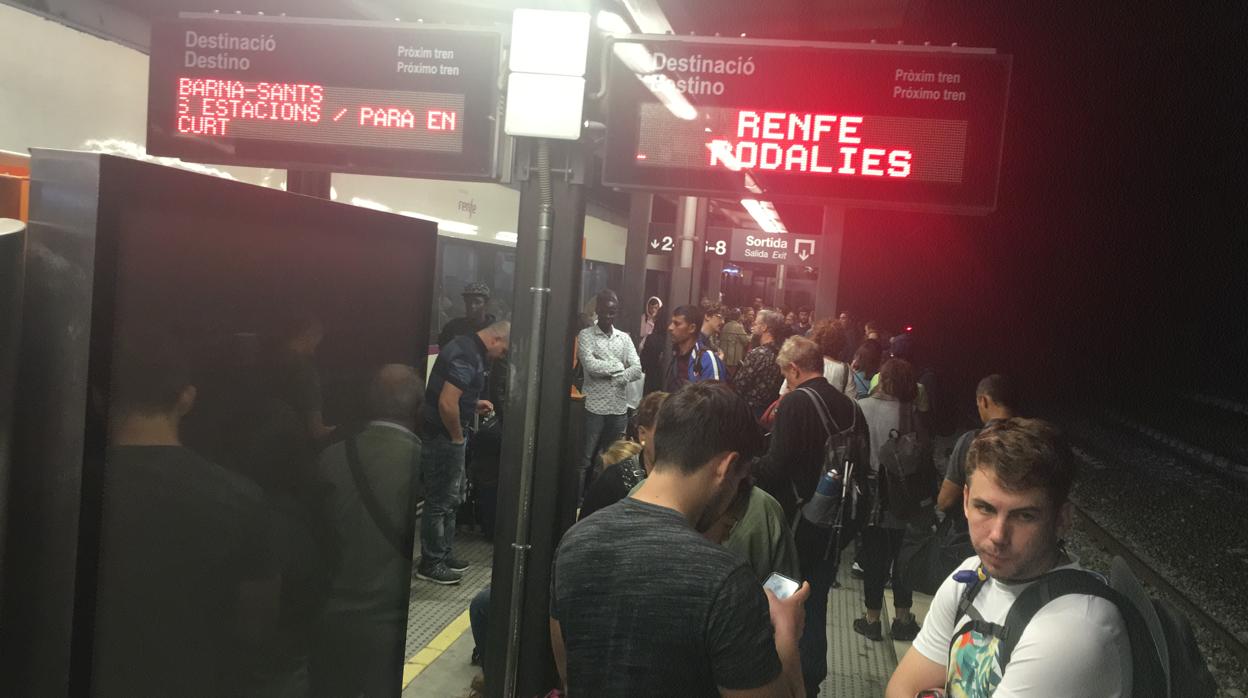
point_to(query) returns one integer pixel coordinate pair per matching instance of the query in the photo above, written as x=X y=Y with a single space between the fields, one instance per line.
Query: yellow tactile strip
x=439 y=644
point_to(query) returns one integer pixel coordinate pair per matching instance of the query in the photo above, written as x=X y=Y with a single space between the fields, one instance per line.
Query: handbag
x=768 y=420
x=929 y=555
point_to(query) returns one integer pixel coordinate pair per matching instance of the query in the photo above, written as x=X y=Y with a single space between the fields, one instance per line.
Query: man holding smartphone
x=643 y=604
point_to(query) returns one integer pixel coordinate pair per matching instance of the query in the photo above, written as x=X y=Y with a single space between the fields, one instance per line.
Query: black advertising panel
x=363 y=97
x=889 y=127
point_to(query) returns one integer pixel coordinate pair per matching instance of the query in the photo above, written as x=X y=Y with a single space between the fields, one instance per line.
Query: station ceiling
x=774 y=18
x=845 y=20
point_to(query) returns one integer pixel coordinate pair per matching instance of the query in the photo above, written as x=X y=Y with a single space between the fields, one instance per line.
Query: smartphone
x=781 y=586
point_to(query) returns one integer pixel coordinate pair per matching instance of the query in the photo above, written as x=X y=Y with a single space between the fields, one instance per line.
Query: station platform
x=439 y=643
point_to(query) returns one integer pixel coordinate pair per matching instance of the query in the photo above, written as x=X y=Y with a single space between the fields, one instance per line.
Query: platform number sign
x=662 y=244
x=664 y=240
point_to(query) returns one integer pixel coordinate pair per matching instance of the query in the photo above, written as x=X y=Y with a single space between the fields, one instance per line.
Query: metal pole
x=697 y=288
x=780 y=302
x=829 y=256
x=682 y=262
x=12 y=270
x=532 y=379
x=633 y=291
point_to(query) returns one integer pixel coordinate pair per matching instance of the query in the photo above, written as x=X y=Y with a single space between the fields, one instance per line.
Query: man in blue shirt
x=692 y=360
x=451 y=400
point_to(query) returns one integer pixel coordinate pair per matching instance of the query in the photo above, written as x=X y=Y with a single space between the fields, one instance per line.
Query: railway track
x=1219 y=402
x=1158 y=581
x=1187 y=452
x=1179 y=529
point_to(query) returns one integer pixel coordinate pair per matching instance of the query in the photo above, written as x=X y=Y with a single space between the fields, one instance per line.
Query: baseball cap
x=476 y=288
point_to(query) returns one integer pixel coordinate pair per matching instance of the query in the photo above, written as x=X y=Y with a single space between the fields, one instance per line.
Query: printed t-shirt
x=1076 y=646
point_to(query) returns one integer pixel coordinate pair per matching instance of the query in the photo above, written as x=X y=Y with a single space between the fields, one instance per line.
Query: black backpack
x=906 y=469
x=842 y=451
x=1165 y=658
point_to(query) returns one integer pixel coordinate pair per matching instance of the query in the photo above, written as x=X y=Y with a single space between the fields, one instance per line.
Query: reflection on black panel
x=260 y=482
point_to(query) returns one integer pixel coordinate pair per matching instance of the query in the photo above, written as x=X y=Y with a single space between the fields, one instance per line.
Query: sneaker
x=869 y=630
x=439 y=574
x=455 y=565
x=856 y=571
x=906 y=630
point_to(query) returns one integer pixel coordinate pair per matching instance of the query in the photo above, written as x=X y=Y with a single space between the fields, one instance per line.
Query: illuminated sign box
x=358 y=97
x=887 y=127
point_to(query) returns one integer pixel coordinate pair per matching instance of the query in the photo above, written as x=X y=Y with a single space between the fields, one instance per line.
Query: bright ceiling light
x=611 y=23
x=549 y=42
x=765 y=215
x=635 y=56
x=722 y=150
x=664 y=88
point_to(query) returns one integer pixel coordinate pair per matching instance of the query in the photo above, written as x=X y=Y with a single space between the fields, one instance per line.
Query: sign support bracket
x=831 y=243
x=309 y=183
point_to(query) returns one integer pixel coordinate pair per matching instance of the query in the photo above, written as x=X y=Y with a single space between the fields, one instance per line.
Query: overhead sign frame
x=401 y=99
x=684 y=110
x=774 y=248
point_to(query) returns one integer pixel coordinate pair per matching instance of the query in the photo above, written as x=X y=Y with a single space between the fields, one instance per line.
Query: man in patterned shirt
x=611 y=363
x=759 y=378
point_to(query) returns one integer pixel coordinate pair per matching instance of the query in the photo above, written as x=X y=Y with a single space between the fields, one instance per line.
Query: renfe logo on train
x=893 y=127
x=302 y=94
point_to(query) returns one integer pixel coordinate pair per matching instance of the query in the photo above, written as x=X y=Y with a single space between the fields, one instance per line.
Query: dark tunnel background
x=1110 y=270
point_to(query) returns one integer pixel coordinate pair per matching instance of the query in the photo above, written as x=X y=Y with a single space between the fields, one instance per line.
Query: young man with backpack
x=817 y=443
x=1019 y=476
x=692 y=361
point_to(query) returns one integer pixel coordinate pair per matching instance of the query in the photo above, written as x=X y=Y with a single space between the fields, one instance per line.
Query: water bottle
x=822 y=508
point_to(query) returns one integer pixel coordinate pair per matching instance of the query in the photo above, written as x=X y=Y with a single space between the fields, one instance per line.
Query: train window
x=463 y=262
x=504 y=281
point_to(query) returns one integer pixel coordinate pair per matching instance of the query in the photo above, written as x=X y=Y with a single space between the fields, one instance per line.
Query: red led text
x=207 y=106
x=394 y=117
x=814 y=143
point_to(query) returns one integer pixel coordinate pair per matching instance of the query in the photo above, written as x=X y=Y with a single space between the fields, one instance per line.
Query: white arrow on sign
x=654 y=244
x=805 y=249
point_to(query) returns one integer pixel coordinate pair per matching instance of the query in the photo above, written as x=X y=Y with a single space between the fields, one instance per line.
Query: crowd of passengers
x=760 y=444
x=705 y=472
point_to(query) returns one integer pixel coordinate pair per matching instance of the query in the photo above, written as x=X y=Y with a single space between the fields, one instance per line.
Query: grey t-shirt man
x=649 y=607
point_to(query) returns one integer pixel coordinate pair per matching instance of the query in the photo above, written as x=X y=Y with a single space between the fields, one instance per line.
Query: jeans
x=814 y=544
x=601 y=430
x=442 y=470
x=880 y=549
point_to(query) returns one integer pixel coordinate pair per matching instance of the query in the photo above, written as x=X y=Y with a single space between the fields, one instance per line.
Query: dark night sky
x=1110 y=265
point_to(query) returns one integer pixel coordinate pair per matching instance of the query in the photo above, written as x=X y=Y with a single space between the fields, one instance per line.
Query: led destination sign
x=303 y=94
x=895 y=127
